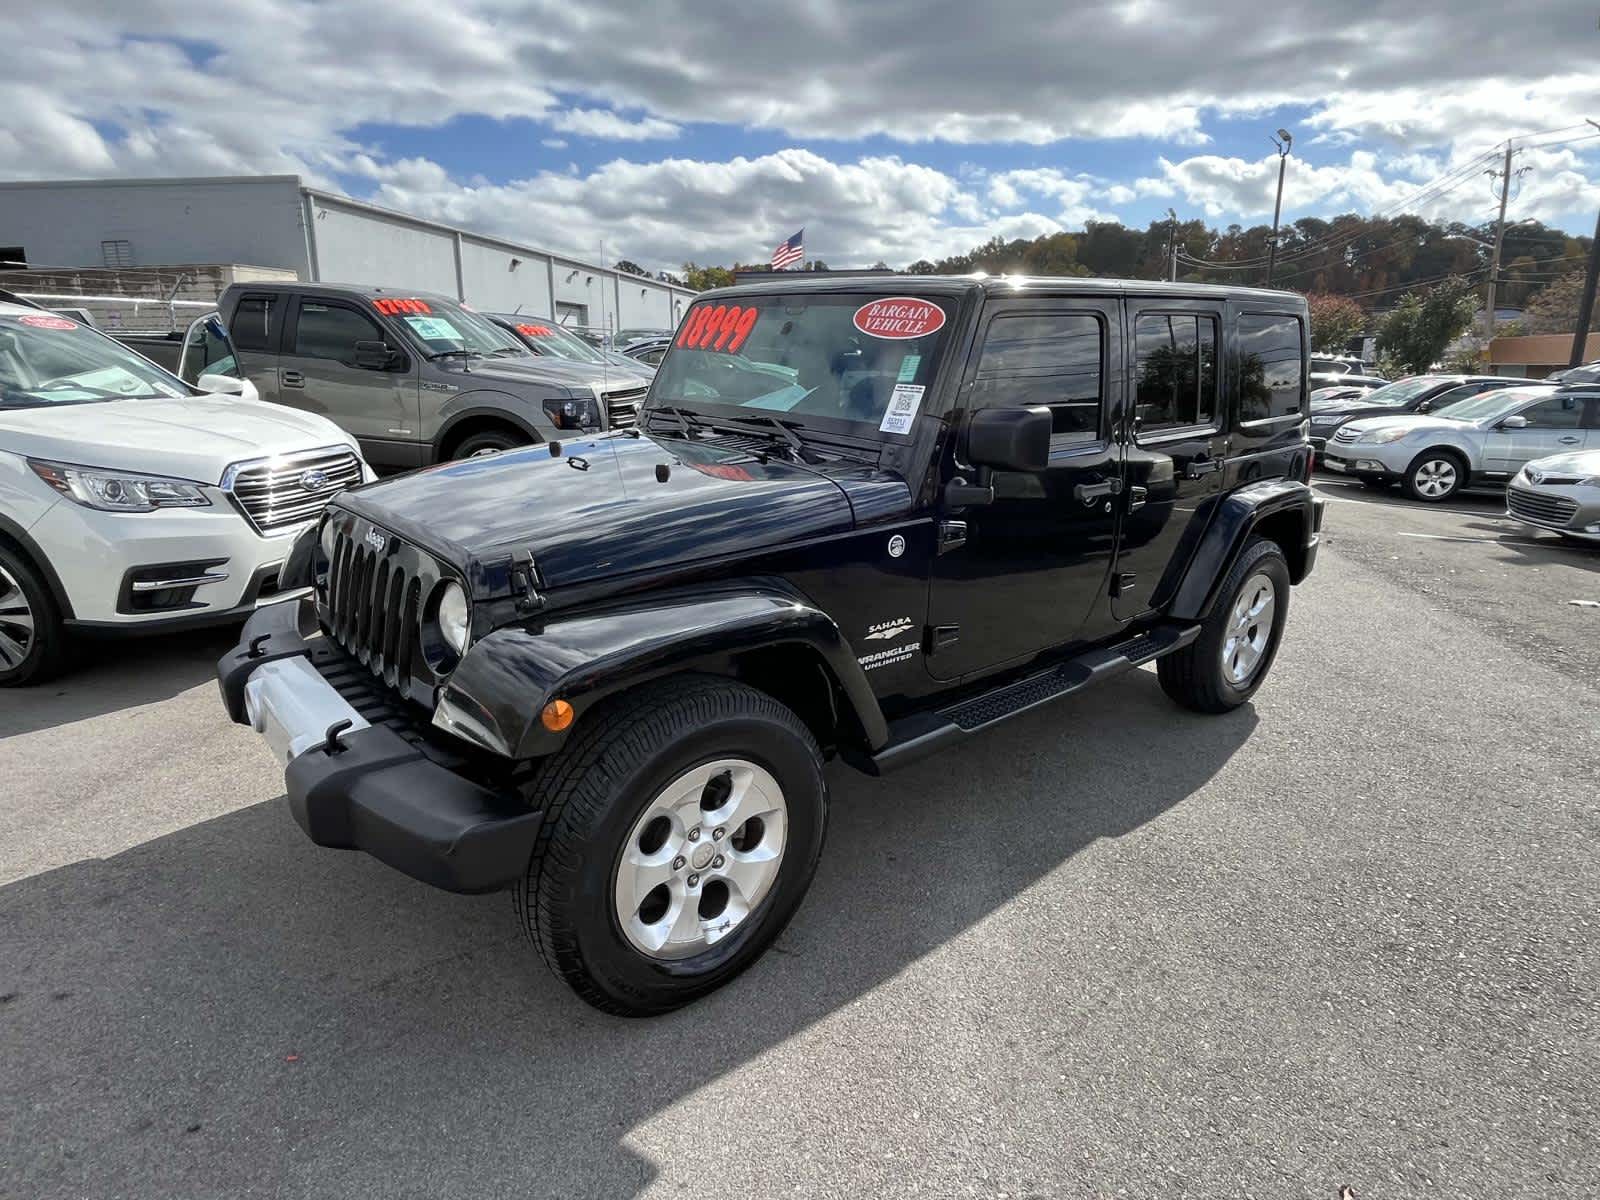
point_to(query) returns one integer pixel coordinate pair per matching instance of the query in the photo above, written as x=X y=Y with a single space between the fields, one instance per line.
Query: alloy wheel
x=16 y=621
x=1249 y=629
x=700 y=859
x=1435 y=478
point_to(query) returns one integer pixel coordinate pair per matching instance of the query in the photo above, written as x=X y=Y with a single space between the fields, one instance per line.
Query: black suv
x=869 y=518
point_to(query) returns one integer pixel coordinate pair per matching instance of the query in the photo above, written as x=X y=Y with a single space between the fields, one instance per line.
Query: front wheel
x=32 y=639
x=1224 y=666
x=1435 y=475
x=486 y=443
x=683 y=825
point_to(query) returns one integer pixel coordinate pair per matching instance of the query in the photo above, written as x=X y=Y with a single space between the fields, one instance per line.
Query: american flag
x=790 y=252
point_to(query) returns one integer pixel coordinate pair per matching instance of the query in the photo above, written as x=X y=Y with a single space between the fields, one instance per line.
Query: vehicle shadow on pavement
x=110 y=674
x=229 y=1009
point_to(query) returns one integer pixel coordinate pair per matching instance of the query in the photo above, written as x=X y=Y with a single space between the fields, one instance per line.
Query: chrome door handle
x=1203 y=466
x=1568 y=441
x=293 y=379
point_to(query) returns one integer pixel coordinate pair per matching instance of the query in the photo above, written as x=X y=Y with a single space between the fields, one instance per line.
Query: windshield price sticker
x=47 y=322
x=899 y=317
x=434 y=329
x=724 y=327
x=902 y=410
x=534 y=330
x=908 y=368
x=394 y=308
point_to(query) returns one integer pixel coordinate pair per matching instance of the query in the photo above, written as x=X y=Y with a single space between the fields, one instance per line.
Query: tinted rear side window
x=1176 y=370
x=255 y=323
x=1050 y=359
x=1271 y=379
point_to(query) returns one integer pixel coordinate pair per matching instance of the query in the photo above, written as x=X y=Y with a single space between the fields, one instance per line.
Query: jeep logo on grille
x=376 y=540
x=314 y=480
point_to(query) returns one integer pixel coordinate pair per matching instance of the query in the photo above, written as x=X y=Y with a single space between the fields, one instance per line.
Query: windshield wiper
x=686 y=420
x=804 y=453
x=507 y=350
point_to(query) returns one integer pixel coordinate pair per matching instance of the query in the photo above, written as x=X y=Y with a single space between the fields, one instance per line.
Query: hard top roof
x=1002 y=285
x=368 y=291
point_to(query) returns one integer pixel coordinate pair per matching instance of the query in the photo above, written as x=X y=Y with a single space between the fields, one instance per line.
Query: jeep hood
x=190 y=437
x=613 y=505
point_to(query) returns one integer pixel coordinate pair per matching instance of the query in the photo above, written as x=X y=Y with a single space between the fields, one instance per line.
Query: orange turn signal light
x=557 y=715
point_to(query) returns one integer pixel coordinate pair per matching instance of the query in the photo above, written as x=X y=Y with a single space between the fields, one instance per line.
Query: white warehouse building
x=277 y=221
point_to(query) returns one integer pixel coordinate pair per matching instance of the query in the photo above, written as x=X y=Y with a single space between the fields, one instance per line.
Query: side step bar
x=917 y=736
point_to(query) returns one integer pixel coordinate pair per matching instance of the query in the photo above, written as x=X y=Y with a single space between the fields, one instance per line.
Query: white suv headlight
x=118 y=491
x=1384 y=436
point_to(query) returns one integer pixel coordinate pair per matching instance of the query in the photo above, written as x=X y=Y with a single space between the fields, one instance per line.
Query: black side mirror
x=374 y=356
x=1425 y=406
x=1012 y=439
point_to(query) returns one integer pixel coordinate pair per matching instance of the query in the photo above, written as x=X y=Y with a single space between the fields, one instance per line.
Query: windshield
x=1492 y=404
x=1396 y=395
x=48 y=359
x=850 y=361
x=552 y=339
x=442 y=327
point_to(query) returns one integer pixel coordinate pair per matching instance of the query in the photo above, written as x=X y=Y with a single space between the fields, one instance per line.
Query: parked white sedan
x=1481 y=442
x=130 y=500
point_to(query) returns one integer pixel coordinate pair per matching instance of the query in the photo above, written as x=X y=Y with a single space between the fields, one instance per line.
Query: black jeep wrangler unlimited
x=863 y=517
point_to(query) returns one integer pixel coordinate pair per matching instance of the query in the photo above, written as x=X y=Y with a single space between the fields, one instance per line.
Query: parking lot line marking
x=1444 y=537
x=1460 y=512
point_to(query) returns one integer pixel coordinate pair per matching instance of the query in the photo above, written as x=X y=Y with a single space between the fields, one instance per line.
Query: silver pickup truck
x=416 y=377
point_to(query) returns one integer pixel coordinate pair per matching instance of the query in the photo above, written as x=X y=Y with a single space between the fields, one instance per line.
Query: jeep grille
x=275 y=493
x=375 y=603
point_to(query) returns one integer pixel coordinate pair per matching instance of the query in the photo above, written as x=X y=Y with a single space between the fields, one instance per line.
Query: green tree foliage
x=704 y=278
x=1554 y=308
x=1414 y=335
x=1334 y=321
x=631 y=268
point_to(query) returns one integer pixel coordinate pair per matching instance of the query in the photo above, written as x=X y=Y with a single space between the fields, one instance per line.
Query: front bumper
x=1573 y=510
x=369 y=786
x=1366 y=459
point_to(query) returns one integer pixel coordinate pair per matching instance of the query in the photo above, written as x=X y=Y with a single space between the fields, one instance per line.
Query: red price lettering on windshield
x=534 y=330
x=724 y=327
x=393 y=308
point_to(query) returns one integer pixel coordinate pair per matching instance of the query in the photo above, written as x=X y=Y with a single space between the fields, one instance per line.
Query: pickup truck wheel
x=1435 y=475
x=32 y=639
x=489 y=441
x=1224 y=666
x=683 y=825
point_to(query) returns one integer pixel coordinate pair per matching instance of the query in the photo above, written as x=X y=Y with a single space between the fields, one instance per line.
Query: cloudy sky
x=890 y=129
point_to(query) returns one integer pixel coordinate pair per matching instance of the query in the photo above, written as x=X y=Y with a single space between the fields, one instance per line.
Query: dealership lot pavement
x=1346 y=935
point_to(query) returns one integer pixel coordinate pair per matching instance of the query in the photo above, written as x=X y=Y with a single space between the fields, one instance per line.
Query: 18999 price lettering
x=724 y=327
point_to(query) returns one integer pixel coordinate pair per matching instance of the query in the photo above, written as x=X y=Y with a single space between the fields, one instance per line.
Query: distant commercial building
x=276 y=221
x=1537 y=355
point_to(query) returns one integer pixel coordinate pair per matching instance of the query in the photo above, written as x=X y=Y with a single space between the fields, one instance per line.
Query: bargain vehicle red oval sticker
x=899 y=317
x=43 y=322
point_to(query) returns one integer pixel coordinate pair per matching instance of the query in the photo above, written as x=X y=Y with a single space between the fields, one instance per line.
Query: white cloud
x=601 y=123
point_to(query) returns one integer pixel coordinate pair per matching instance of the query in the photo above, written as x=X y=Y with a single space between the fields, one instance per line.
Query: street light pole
x=1277 y=207
x=1172 y=244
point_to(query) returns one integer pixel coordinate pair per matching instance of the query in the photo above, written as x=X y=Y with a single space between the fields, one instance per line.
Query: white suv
x=130 y=499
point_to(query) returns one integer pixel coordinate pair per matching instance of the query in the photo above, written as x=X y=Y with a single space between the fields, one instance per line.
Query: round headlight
x=454 y=617
x=326 y=540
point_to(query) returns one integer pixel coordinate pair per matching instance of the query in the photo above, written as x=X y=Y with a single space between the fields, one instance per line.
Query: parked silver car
x=1560 y=493
x=1482 y=441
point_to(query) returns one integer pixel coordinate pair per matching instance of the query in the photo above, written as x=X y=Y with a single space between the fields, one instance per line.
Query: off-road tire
x=619 y=757
x=1193 y=676
x=48 y=652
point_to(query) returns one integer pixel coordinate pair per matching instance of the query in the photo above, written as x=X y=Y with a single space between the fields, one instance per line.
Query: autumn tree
x=1415 y=334
x=1335 y=320
x=1554 y=308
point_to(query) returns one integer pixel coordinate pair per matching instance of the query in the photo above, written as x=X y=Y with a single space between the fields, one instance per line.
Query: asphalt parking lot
x=1344 y=936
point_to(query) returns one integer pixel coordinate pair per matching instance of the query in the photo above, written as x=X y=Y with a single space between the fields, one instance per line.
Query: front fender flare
x=495 y=696
x=527 y=415
x=1238 y=516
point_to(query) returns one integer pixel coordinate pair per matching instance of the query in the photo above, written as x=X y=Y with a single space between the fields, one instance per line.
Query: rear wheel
x=683 y=825
x=32 y=638
x=1435 y=475
x=1224 y=666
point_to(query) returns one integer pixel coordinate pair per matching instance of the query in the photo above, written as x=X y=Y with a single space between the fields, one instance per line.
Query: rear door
x=381 y=407
x=1032 y=566
x=1555 y=425
x=256 y=330
x=1176 y=446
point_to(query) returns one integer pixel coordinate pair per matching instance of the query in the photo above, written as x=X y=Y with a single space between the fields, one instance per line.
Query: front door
x=1176 y=446
x=1022 y=574
x=382 y=408
x=256 y=330
x=1555 y=426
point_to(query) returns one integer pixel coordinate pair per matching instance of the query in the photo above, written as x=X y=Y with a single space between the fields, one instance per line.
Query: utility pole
x=1506 y=176
x=1580 y=336
x=1277 y=207
x=1172 y=244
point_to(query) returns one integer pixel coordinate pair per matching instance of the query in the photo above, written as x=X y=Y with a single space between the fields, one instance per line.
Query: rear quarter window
x=1271 y=367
